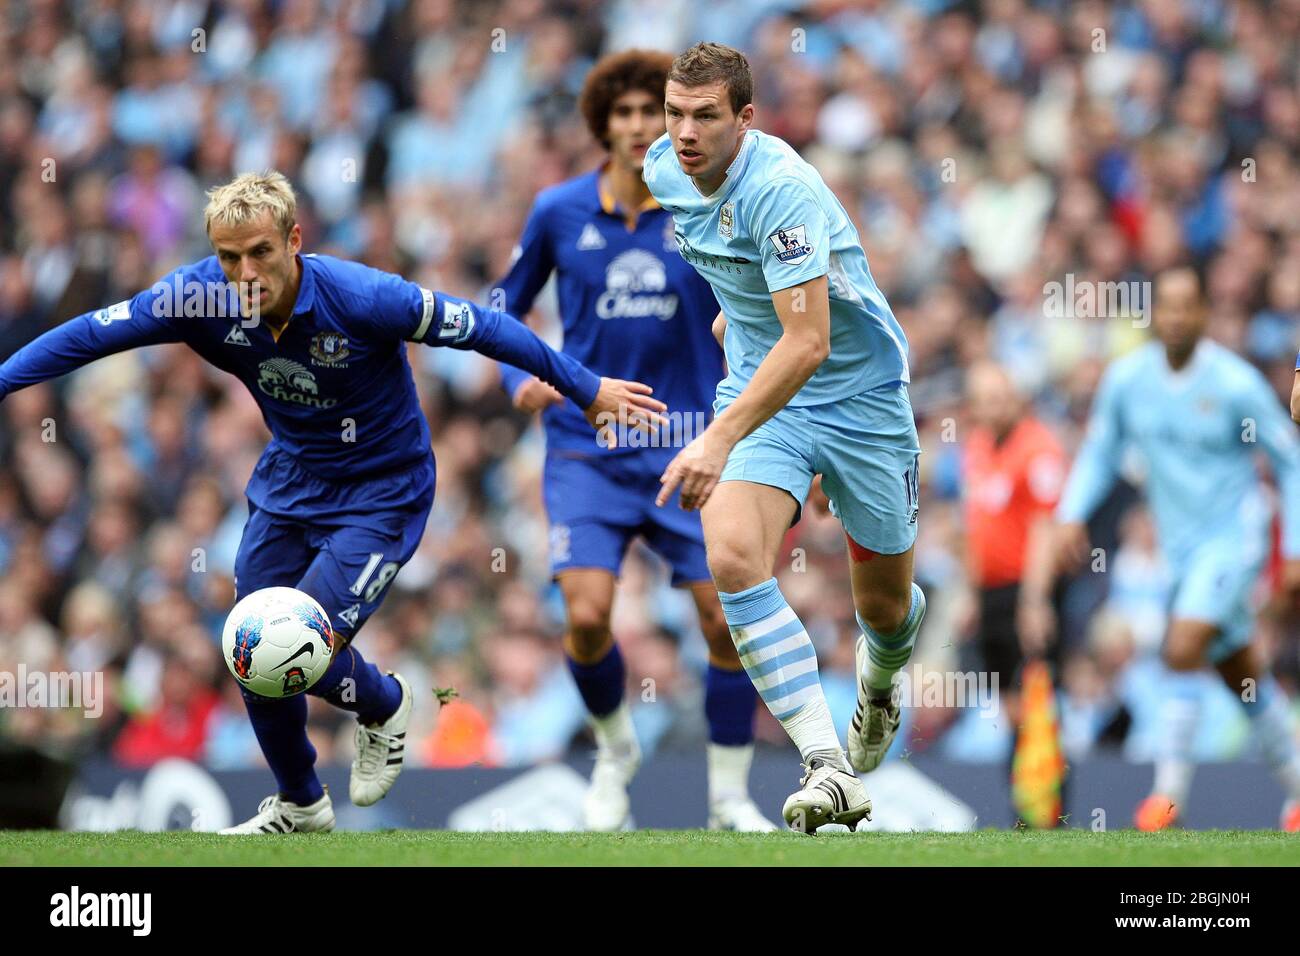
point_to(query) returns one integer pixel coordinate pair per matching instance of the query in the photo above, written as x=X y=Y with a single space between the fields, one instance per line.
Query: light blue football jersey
x=1199 y=431
x=773 y=224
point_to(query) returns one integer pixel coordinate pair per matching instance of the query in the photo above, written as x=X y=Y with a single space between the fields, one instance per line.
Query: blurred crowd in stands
x=984 y=151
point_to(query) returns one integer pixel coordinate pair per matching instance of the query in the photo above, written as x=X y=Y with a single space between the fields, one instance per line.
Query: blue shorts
x=1216 y=585
x=346 y=563
x=596 y=506
x=865 y=448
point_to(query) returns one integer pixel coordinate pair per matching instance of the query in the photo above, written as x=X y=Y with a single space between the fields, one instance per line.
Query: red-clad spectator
x=177 y=726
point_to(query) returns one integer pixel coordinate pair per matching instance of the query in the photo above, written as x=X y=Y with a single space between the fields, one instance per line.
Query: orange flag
x=1038 y=765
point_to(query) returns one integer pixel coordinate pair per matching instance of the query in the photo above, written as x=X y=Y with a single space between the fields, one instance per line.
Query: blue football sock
x=281 y=728
x=357 y=685
x=729 y=699
x=601 y=683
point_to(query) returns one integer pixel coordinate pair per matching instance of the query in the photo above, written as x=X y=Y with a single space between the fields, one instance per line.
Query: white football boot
x=618 y=755
x=830 y=794
x=740 y=814
x=277 y=815
x=875 y=719
x=380 y=751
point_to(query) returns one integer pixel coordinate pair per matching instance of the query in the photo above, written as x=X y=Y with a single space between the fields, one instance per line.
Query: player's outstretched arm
x=608 y=403
x=530 y=269
x=1295 y=394
x=79 y=341
x=805 y=314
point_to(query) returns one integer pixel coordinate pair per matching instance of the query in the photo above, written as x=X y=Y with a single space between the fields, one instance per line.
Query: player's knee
x=884 y=611
x=588 y=628
x=734 y=567
x=1181 y=653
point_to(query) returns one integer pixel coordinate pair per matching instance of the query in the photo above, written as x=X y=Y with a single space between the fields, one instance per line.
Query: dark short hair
x=708 y=63
x=616 y=74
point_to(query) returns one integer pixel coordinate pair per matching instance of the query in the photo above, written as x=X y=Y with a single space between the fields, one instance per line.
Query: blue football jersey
x=1199 y=432
x=773 y=224
x=630 y=307
x=335 y=388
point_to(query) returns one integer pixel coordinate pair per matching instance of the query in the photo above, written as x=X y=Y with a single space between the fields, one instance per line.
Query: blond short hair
x=246 y=197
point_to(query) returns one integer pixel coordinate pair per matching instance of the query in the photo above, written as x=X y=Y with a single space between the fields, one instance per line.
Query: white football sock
x=615 y=733
x=1174 y=766
x=729 y=771
x=813 y=732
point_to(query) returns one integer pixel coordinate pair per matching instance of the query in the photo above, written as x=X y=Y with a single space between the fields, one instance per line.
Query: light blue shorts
x=864 y=447
x=1216 y=585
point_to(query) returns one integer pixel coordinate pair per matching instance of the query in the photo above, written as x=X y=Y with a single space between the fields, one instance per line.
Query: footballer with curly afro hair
x=603 y=92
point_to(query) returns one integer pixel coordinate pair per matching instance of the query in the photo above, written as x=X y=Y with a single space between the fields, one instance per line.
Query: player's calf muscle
x=882 y=590
x=884 y=611
x=713 y=624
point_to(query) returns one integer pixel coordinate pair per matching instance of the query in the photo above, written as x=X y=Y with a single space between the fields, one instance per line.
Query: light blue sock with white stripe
x=888 y=654
x=781 y=661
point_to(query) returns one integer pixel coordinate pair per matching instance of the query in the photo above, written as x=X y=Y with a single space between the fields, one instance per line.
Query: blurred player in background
x=340 y=498
x=1295 y=392
x=816 y=384
x=630 y=307
x=1012 y=471
x=1199 y=414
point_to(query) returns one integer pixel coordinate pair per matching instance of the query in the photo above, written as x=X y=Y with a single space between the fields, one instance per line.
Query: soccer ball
x=277 y=642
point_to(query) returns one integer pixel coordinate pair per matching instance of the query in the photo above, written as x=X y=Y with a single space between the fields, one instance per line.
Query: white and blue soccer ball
x=277 y=642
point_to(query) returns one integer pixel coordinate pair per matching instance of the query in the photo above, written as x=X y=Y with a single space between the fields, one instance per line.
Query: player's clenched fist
x=696 y=469
x=620 y=405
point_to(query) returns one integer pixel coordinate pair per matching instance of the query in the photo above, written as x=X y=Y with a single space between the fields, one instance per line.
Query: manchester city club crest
x=727 y=220
x=329 y=349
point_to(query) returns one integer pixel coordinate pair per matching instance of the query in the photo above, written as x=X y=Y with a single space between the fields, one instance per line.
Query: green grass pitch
x=1074 y=848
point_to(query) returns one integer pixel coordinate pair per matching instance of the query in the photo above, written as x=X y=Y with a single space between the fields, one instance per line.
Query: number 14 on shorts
x=911 y=489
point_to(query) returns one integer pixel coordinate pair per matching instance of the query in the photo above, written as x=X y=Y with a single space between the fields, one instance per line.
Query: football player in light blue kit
x=1199 y=414
x=629 y=303
x=816 y=384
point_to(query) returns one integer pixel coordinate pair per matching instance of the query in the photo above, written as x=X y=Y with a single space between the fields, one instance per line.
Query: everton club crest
x=329 y=349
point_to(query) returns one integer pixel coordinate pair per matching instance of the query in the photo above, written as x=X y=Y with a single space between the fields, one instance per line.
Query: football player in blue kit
x=339 y=500
x=1199 y=415
x=816 y=385
x=630 y=308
